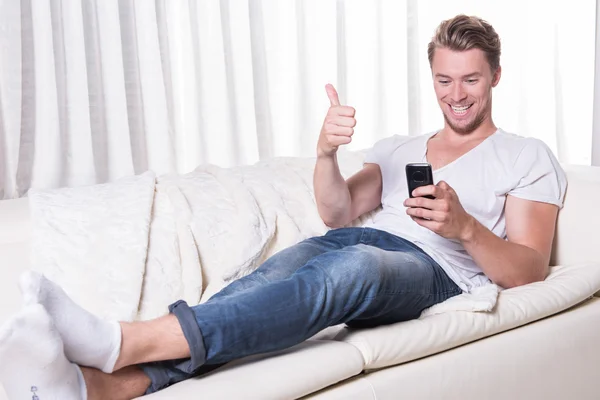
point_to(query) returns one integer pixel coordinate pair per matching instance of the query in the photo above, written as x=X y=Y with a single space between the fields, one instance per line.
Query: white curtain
x=93 y=90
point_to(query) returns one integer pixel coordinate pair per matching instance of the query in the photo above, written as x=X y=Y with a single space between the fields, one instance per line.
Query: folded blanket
x=482 y=298
x=128 y=249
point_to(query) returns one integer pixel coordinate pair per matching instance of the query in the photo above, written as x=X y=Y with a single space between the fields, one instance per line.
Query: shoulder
x=536 y=174
x=383 y=149
x=397 y=140
x=392 y=143
x=511 y=140
x=516 y=148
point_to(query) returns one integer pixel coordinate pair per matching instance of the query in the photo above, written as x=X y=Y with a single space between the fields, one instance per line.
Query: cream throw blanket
x=126 y=250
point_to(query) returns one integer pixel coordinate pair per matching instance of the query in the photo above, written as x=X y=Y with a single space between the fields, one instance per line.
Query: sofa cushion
x=288 y=374
x=398 y=343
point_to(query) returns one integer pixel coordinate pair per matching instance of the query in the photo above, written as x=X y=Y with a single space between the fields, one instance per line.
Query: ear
x=496 y=77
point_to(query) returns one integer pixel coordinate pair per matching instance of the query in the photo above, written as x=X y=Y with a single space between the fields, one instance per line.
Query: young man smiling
x=496 y=200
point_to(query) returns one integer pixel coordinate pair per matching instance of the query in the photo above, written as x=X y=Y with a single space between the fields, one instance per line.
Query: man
x=492 y=218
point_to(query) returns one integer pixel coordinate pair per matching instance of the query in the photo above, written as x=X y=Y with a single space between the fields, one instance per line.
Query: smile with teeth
x=459 y=110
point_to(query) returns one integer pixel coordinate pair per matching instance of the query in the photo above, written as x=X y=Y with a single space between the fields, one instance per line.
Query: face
x=463 y=83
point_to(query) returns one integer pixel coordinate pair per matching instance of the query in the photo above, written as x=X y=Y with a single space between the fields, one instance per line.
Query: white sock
x=88 y=340
x=32 y=362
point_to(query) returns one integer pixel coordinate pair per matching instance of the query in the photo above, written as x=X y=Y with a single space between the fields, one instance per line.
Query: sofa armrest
x=16 y=222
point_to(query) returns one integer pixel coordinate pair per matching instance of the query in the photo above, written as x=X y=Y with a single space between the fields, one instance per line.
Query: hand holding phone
x=419 y=174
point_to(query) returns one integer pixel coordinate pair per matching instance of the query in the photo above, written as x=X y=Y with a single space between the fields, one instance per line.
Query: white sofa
x=541 y=341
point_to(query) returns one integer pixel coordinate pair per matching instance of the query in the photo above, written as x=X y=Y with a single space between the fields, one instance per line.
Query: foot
x=88 y=340
x=33 y=363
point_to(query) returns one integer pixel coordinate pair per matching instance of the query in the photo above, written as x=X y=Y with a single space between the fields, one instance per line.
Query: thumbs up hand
x=338 y=126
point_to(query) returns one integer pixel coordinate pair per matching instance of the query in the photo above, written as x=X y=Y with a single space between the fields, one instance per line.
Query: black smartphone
x=419 y=174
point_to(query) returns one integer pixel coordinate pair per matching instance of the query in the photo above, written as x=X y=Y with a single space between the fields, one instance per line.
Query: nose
x=458 y=93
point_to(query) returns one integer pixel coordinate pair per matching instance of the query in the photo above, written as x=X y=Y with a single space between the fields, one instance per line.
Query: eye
x=472 y=81
x=444 y=82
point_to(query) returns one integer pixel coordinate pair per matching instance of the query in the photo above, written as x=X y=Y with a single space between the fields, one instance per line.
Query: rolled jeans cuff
x=166 y=373
x=191 y=332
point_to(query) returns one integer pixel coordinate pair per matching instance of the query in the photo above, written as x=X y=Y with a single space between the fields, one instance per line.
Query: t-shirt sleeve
x=381 y=151
x=377 y=153
x=538 y=175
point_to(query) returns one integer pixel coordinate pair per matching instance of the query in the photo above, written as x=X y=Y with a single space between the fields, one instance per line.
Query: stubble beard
x=471 y=126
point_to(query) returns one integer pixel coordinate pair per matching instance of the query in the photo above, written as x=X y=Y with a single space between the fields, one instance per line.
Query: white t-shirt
x=502 y=164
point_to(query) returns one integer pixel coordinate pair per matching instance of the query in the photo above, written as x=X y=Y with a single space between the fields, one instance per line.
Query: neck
x=486 y=129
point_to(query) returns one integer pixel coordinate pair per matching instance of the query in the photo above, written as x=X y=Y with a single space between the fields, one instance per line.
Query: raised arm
x=340 y=201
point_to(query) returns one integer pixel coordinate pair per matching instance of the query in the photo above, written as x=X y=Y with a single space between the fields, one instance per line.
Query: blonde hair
x=463 y=33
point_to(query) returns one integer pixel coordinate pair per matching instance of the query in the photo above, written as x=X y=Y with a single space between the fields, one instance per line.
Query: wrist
x=322 y=155
x=469 y=230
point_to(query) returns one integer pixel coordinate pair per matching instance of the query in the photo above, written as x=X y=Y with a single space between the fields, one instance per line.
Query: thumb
x=332 y=94
x=443 y=185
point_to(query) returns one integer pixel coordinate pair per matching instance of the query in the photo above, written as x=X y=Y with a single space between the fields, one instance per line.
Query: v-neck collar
x=425 y=150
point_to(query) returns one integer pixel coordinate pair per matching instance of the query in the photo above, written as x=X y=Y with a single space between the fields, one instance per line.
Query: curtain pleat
x=11 y=79
x=48 y=165
x=119 y=91
x=73 y=102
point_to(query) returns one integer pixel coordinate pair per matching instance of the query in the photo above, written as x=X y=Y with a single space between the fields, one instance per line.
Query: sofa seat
x=288 y=374
x=398 y=343
x=555 y=358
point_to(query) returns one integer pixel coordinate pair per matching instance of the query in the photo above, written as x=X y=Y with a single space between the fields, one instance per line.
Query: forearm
x=331 y=192
x=506 y=264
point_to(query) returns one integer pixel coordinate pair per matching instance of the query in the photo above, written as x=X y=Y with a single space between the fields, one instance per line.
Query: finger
x=438 y=204
x=445 y=188
x=343 y=121
x=345 y=111
x=430 y=215
x=420 y=202
x=344 y=131
x=331 y=129
x=423 y=213
x=332 y=94
x=443 y=185
x=429 y=190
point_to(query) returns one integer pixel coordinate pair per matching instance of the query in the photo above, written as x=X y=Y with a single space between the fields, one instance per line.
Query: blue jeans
x=362 y=277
